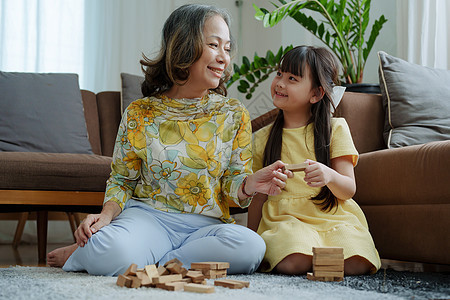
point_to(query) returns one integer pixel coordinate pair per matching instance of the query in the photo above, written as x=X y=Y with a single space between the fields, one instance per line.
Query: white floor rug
x=52 y=283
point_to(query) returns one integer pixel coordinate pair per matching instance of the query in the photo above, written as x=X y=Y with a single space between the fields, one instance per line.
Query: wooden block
x=151 y=271
x=131 y=270
x=245 y=283
x=310 y=276
x=136 y=282
x=162 y=271
x=173 y=261
x=317 y=260
x=145 y=280
x=174 y=268
x=297 y=167
x=328 y=267
x=328 y=273
x=232 y=284
x=183 y=272
x=186 y=280
x=327 y=250
x=166 y=278
x=199 y=288
x=195 y=274
x=211 y=265
x=211 y=274
x=124 y=281
x=172 y=286
x=329 y=256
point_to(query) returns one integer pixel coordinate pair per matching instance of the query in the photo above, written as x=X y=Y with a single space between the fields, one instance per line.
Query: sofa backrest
x=102 y=113
x=91 y=116
x=365 y=116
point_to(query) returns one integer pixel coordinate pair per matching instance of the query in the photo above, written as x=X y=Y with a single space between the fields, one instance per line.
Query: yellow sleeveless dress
x=291 y=222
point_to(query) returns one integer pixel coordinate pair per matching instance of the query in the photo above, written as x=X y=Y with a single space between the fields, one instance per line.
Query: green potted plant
x=342 y=29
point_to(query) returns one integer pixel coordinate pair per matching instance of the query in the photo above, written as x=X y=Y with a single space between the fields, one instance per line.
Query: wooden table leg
x=42 y=221
x=19 y=229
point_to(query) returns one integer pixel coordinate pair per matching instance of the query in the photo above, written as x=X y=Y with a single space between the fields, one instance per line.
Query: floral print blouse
x=182 y=155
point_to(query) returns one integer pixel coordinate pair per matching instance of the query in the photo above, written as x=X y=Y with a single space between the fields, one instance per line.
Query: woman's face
x=206 y=72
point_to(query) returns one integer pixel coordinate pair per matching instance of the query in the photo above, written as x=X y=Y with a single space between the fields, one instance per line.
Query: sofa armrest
x=417 y=174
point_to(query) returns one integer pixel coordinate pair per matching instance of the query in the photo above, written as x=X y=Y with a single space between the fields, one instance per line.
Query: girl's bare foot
x=58 y=257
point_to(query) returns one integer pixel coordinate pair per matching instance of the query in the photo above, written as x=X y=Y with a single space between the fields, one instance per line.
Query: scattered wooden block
x=199 y=288
x=196 y=276
x=174 y=268
x=186 y=280
x=136 y=282
x=232 y=284
x=145 y=280
x=123 y=281
x=245 y=283
x=172 y=286
x=162 y=271
x=173 y=261
x=173 y=277
x=131 y=270
x=151 y=271
x=297 y=167
x=167 y=278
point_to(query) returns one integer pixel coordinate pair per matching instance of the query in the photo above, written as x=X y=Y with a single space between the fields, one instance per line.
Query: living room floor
x=24 y=255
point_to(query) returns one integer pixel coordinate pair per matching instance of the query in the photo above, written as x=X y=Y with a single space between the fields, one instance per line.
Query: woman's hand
x=94 y=222
x=269 y=180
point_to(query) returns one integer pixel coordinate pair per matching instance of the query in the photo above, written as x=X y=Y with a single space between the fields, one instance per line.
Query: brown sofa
x=42 y=182
x=404 y=193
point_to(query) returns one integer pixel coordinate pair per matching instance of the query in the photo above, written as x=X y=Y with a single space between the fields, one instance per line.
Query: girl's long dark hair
x=324 y=73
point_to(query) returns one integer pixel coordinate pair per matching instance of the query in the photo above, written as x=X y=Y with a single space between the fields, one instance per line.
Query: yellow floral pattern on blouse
x=182 y=155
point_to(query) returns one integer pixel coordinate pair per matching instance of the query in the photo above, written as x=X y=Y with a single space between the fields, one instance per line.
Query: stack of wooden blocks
x=174 y=277
x=328 y=264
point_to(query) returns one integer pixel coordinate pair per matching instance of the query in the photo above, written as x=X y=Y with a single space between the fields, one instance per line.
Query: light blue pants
x=144 y=236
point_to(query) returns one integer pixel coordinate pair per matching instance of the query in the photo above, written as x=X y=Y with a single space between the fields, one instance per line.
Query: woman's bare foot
x=58 y=257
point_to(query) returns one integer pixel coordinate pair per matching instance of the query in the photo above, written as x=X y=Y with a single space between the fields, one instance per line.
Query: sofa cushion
x=416 y=101
x=42 y=112
x=54 y=171
x=131 y=88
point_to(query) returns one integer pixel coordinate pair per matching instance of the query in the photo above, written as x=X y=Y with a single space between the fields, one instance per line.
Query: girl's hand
x=340 y=178
x=317 y=174
x=269 y=180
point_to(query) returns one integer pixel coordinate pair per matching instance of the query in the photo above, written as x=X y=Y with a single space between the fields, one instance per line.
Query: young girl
x=315 y=209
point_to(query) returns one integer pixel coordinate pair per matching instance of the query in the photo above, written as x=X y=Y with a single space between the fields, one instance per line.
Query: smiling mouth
x=280 y=94
x=217 y=71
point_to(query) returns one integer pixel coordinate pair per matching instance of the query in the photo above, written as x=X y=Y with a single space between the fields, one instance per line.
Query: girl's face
x=206 y=72
x=293 y=94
